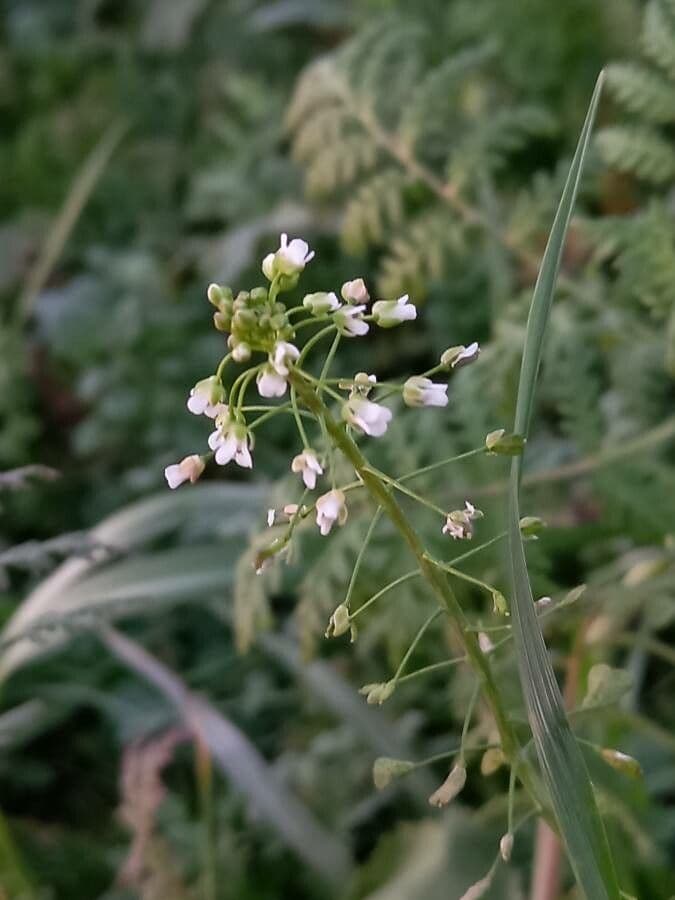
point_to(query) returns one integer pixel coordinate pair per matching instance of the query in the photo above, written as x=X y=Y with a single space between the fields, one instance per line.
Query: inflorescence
x=264 y=348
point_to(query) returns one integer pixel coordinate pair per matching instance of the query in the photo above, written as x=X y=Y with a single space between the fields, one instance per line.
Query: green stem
x=361 y=554
x=463 y=575
x=467 y=720
x=443 y=462
x=385 y=590
x=298 y=420
x=435 y=578
x=411 y=649
x=413 y=496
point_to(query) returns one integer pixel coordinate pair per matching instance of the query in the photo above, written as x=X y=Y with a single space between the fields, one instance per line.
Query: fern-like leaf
x=641 y=151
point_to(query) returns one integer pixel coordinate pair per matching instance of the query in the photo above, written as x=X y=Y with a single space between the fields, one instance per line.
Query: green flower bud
x=259 y=295
x=504 y=444
x=531 y=526
x=499 y=604
x=386 y=770
x=339 y=622
x=321 y=303
x=622 y=762
x=221 y=321
x=492 y=760
x=378 y=692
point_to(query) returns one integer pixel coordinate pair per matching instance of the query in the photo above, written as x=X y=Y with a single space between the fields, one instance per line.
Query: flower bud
x=222 y=321
x=339 y=622
x=377 y=692
x=499 y=605
x=389 y=313
x=241 y=351
x=355 y=291
x=622 y=762
x=452 y=785
x=492 y=760
x=531 y=526
x=504 y=444
x=218 y=294
x=188 y=469
x=259 y=295
x=454 y=357
x=506 y=846
x=421 y=391
x=321 y=303
x=386 y=770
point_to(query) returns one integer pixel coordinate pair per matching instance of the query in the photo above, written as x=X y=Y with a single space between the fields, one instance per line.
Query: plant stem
x=436 y=579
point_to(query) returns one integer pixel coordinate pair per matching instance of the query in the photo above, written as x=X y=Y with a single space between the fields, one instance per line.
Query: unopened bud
x=452 y=785
x=506 y=846
x=222 y=321
x=499 y=605
x=622 y=762
x=321 y=303
x=218 y=294
x=378 y=692
x=504 y=444
x=339 y=622
x=531 y=527
x=386 y=770
x=259 y=295
x=492 y=760
x=454 y=357
x=241 y=352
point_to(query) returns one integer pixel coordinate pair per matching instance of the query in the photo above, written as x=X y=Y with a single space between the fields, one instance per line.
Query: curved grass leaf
x=238 y=759
x=561 y=761
x=81 y=586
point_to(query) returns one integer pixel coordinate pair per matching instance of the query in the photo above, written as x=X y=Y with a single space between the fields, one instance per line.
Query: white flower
x=459 y=523
x=421 y=391
x=308 y=466
x=270 y=383
x=271 y=515
x=389 y=313
x=330 y=508
x=454 y=357
x=283 y=356
x=188 y=469
x=232 y=441
x=290 y=259
x=349 y=320
x=370 y=418
x=355 y=291
x=321 y=303
x=206 y=397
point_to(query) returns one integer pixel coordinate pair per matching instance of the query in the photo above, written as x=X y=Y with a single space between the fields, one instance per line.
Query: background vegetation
x=216 y=746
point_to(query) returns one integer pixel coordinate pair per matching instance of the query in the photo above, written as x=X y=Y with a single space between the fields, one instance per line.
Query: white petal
x=174 y=476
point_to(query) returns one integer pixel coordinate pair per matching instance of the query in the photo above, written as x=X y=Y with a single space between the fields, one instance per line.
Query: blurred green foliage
x=229 y=109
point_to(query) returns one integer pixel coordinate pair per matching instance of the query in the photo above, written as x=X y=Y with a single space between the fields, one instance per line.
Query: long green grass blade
x=561 y=761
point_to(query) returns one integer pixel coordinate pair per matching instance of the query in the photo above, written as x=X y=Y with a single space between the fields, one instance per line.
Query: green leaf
x=562 y=764
x=86 y=587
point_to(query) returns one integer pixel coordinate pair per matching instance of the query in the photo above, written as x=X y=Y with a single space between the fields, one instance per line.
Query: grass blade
x=561 y=761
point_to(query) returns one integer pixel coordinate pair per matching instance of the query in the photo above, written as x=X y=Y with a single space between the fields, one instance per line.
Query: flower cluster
x=262 y=338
